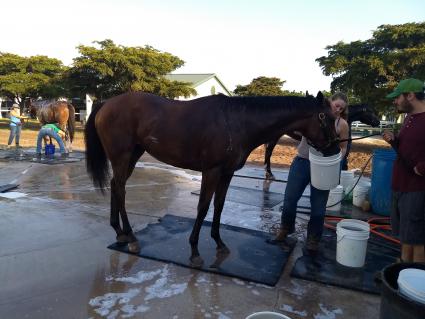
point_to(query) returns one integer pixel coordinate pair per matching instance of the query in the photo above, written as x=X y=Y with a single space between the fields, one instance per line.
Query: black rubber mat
x=8 y=187
x=27 y=156
x=252 y=197
x=325 y=269
x=251 y=257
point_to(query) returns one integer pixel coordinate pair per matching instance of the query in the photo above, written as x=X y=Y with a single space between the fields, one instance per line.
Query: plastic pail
x=380 y=192
x=393 y=303
x=335 y=196
x=49 y=150
x=360 y=193
x=352 y=236
x=267 y=315
x=347 y=180
x=411 y=284
x=324 y=170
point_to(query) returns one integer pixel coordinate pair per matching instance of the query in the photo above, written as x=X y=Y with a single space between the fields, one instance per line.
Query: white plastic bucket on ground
x=352 y=236
x=335 y=196
x=411 y=284
x=324 y=171
x=347 y=180
x=360 y=193
x=267 y=315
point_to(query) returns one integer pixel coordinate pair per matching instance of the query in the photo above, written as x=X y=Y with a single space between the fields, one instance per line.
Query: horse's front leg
x=120 y=177
x=220 y=196
x=208 y=186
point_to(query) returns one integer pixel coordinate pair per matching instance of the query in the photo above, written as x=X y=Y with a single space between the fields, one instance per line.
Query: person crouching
x=53 y=131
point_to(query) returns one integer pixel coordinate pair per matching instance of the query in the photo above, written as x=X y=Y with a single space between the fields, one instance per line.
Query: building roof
x=196 y=79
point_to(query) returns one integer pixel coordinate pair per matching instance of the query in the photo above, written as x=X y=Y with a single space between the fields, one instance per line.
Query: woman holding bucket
x=299 y=177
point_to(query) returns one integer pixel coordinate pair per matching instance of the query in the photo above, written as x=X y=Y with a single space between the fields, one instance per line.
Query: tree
x=370 y=69
x=264 y=86
x=30 y=77
x=114 y=69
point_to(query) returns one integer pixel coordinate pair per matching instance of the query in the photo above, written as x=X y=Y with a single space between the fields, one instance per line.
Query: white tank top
x=303 y=146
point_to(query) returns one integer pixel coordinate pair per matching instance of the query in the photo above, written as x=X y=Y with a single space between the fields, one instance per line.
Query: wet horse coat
x=213 y=134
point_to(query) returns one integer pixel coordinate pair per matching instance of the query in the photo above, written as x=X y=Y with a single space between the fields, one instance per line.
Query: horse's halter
x=326 y=132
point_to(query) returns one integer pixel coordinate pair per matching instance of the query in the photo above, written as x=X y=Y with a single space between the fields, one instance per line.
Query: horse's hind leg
x=209 y=182
x=122 y=168
x=220 y=196
x=114 y=218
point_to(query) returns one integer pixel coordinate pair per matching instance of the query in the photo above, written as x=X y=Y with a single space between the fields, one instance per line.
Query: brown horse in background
x=60 y=112
x=213 y=135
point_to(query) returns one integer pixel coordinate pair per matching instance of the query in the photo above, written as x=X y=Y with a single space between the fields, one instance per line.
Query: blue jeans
x=15 y=132
x=298 y=179
x=49 y=132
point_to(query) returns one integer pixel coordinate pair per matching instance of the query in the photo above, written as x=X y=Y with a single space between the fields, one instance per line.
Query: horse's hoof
x=270 y=177
x=134 y=247
x=122 y=239
x=223 y=250
x=196 y=262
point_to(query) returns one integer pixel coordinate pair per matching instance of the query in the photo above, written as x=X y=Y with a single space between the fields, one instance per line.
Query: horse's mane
x=259 y=103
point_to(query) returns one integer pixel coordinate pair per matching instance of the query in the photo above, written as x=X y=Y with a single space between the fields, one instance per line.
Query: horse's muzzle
x=333 y=149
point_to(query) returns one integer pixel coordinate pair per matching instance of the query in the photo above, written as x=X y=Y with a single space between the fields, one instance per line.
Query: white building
x=204 y=84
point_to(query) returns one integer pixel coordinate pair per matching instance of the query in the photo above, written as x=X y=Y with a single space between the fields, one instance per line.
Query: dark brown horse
x=213 y=134
x=60 y=112
x=357 y=112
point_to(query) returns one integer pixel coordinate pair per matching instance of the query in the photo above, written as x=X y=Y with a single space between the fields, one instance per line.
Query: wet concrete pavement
x=54 y=262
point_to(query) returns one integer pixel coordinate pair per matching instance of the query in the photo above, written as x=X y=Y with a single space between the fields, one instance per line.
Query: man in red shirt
x=408 y=179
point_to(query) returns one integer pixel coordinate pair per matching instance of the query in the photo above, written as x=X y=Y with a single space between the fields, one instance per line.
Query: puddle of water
x=119 y=304
x=12 y=195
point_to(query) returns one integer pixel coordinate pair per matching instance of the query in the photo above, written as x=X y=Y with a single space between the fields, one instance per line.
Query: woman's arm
x=343 y=135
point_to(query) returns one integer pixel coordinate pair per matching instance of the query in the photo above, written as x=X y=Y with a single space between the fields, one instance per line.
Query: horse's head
x=321 y=133
x=366 y=114
x=32 y=111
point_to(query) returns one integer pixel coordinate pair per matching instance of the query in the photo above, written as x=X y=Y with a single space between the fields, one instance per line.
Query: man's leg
x=412 y=226
x=406 y=253
x=418 y=253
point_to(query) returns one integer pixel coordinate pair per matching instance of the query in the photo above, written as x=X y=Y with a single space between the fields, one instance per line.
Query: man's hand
x=416 y=171
x=388 y=136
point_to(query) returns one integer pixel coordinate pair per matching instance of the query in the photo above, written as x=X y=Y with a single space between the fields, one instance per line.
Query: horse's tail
x=71 y=121
x=96 y=161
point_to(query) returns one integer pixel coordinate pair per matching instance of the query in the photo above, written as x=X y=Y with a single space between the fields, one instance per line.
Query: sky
x=238 y=40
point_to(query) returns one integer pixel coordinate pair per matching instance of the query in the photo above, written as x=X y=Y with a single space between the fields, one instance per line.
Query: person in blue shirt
x=15 y=125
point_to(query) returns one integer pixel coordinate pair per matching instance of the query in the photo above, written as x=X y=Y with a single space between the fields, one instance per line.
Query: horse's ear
x=320 y=97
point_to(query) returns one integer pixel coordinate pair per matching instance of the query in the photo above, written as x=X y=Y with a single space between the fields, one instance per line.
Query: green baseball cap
x=406 y=86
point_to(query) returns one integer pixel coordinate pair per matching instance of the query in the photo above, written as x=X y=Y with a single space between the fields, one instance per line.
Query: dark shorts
x=408 y=217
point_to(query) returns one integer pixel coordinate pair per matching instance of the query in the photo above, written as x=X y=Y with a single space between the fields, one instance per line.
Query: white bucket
x=267 y=315
x=411 y=284
x=360 y=193
x=335 y=196
x=324 y=170
x=352 y=236
x=347 y=180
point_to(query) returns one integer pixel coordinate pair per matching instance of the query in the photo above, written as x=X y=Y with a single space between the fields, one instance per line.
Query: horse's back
x=172 y=131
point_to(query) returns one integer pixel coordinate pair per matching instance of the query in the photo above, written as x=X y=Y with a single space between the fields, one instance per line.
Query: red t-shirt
x=410 y=147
